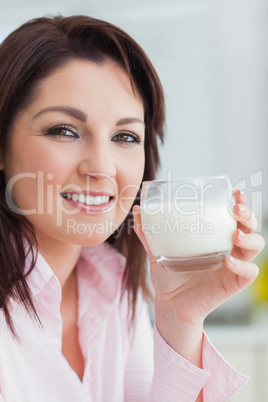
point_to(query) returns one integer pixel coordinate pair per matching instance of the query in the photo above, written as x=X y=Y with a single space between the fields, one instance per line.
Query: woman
x=81 y=108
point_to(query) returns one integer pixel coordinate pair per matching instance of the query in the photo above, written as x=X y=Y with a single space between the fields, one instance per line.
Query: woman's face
x=75 y=159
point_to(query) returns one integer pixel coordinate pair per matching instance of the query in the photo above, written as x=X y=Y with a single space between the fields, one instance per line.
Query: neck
x=61 y=257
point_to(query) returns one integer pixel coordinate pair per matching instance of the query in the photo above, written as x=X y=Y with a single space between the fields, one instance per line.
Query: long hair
x=29 y=54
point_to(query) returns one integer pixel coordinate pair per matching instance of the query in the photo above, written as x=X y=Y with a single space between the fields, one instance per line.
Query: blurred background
x=212 y=58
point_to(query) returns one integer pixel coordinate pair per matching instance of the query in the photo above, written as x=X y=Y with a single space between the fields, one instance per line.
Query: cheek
x=31 y=193
x=29 y=178
x=21 y=176
x=22 y=192
x=130 y=184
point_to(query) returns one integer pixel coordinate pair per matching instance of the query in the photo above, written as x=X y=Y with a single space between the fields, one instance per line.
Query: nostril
x=99 y=175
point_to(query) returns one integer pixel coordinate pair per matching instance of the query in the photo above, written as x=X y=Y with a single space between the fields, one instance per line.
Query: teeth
x=81 y=198
x=97 y=200
x=89 y=200
x=86 y=199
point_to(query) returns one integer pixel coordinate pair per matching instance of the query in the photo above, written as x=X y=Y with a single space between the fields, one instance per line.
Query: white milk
x=171 y=232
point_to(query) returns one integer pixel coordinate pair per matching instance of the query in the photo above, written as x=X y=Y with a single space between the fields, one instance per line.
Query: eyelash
x=135 y=139
x=62 y=127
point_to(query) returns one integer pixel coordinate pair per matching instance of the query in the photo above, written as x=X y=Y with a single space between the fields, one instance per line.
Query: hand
x=192 y=296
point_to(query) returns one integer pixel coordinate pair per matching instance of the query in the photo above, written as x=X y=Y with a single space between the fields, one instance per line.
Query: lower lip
x=91 y=209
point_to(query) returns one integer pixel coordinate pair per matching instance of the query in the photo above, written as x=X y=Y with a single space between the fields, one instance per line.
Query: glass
x=188 y=223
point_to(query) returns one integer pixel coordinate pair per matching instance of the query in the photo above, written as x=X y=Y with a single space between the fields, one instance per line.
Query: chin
x=88 y=239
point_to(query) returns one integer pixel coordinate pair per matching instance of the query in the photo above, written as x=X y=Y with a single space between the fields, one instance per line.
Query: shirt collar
x=102 y=263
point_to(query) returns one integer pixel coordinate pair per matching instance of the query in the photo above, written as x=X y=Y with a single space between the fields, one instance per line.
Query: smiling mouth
x=87 y=199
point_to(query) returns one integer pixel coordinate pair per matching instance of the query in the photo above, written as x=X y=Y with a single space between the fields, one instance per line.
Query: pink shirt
x=119 y=366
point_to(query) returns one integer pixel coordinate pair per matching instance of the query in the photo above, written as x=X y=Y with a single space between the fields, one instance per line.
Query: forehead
x=85 y=80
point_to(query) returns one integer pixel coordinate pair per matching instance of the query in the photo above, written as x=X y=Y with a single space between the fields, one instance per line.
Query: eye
x=62 y=131
x=126 y=137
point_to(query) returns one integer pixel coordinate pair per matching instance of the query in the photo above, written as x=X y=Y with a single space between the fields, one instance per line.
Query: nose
x=98 y=162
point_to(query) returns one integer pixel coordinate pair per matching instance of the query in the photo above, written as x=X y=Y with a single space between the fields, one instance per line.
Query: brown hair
x=30 y=53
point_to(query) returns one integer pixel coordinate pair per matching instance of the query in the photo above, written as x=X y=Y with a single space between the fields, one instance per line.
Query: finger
x=240 y=197
x=246 y=271
x=139 y=231
x=245 y=217
x=253 y=241
x=247 y=246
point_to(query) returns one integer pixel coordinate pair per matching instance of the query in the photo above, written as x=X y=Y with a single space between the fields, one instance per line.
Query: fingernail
x=236 y=191
x=240 y=234
x=231 y=261
x=136 y=209
x=240 y=207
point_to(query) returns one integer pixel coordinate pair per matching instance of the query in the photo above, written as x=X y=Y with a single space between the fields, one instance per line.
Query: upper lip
x=91 y=193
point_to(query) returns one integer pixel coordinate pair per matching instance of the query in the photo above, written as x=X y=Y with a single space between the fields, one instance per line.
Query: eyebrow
x=129 y=120
x=71 y=111
x=79 y=115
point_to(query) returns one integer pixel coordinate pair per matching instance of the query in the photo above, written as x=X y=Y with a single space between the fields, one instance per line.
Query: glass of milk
x=188 y=223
